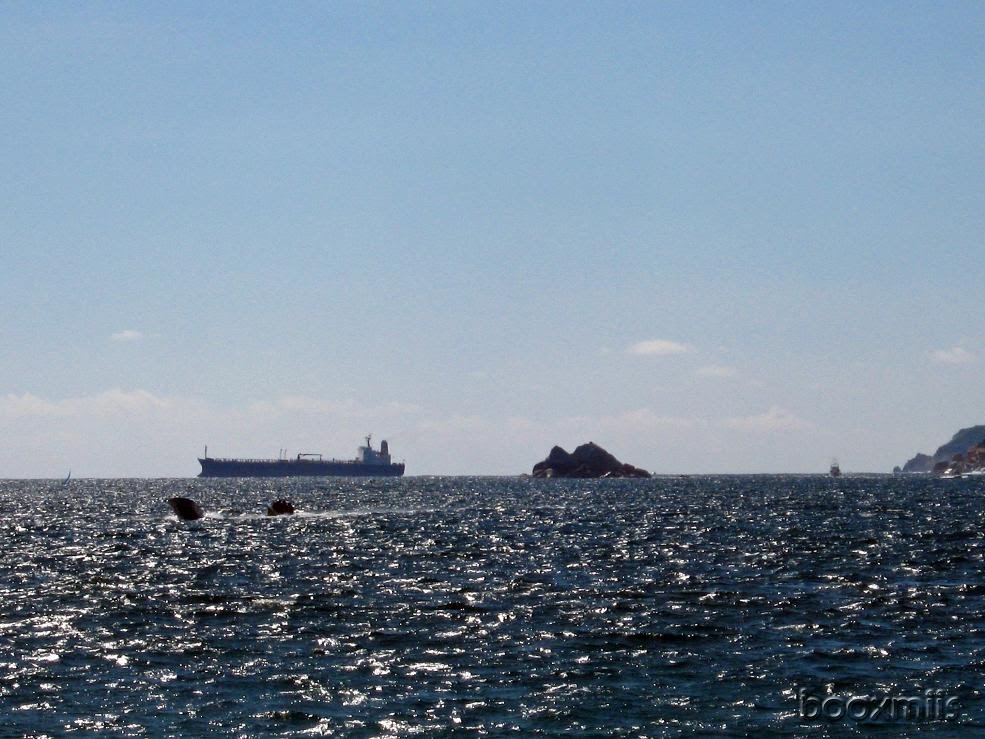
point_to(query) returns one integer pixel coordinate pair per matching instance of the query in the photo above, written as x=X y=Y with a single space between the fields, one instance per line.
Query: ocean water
x=491 y=607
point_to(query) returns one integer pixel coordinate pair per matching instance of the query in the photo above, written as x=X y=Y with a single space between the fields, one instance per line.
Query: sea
x=717 y=606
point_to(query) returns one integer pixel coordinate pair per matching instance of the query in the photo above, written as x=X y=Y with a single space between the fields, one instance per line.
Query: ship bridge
x=368 y=455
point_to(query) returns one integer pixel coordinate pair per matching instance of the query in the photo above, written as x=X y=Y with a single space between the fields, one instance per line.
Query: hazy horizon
x=710 y=238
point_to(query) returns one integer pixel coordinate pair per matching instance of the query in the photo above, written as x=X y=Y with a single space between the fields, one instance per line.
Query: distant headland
x=963 y=454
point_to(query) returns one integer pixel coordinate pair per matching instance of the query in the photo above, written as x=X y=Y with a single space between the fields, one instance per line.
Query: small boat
x=67 y=478
x=835 y=470
x=280 y=507
x=186 y=509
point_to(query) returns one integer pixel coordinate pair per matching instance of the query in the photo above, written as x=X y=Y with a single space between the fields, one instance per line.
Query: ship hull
x=295 y=468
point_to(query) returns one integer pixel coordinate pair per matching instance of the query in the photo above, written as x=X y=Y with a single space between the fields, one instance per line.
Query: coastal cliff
x=965 y=452
x=587 y=461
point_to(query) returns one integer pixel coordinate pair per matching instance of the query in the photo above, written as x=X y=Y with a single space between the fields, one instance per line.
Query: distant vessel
x=67 y=478
x=835 y=470
x=368 y=463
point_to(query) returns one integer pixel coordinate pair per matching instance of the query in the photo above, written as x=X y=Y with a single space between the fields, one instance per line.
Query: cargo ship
x=369 y=462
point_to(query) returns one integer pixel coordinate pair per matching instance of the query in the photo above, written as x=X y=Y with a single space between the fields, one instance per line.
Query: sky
x=711 y=237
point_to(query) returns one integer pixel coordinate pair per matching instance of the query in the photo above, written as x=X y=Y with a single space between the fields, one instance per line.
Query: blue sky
x=708 y=236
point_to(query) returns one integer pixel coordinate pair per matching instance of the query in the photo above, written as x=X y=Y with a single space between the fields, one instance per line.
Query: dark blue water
x=463 y=607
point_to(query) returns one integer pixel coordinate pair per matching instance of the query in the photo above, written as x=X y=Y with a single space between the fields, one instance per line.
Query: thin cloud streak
x=127 y=334
x=659 y=348
x=716 y=371
x=775 y=419
x=954 y=355
x=108 y=403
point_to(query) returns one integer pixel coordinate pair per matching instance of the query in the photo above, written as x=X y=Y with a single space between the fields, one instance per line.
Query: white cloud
x=141 y=402
x=775 y=419
x=954 y=355
x=453 y=425
x=521 y=424
x=108 y=403
x=644 y=418
x=127 y=334
x=288 y=404
x=717 y=371
x=658 y=348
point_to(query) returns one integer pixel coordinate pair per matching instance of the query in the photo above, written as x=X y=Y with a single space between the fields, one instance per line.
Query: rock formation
x=960 y=444
x=186 y=509
x=588 y=460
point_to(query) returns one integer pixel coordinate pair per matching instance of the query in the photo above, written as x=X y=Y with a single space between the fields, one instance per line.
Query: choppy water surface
x=459 y=606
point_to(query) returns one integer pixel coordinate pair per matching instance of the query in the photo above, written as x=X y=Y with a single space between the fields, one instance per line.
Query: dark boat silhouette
x=186 y=509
